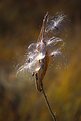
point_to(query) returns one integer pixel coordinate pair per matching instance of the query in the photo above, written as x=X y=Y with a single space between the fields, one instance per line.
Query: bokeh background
x=20 y=23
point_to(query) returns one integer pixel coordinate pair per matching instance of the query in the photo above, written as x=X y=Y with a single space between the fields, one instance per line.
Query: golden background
x=20 y=24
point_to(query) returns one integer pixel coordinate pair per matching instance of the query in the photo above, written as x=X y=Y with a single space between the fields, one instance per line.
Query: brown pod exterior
x=41 y=73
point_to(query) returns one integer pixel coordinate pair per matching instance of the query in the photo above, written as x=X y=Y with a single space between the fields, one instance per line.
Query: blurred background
x=20 y=24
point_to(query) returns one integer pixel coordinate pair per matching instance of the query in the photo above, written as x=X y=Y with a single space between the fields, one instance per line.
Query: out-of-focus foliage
x=20 y=23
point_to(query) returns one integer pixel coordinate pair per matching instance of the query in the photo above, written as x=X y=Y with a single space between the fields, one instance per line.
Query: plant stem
x=48 y=105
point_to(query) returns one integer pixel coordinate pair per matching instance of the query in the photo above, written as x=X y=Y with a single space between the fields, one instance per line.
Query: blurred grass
x=20 y=23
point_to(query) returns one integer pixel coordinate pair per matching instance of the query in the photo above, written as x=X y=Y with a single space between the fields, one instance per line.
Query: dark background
x=20 y=23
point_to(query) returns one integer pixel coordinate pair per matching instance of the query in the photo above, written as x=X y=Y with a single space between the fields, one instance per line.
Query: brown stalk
x=48 y=105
